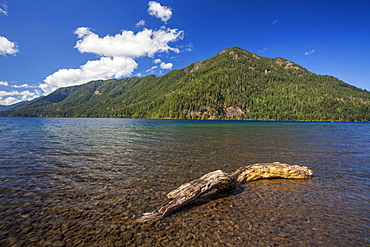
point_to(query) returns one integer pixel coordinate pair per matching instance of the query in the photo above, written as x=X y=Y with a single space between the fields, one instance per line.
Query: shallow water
x=84 y=182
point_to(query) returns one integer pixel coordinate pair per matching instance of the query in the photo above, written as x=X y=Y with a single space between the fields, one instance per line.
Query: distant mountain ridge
x=17 y=105
x=234 y=84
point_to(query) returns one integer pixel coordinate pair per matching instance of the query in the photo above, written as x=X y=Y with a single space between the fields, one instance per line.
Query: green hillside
x=234 y=84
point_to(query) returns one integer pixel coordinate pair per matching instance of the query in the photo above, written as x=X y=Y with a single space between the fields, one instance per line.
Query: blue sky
x=47 y=44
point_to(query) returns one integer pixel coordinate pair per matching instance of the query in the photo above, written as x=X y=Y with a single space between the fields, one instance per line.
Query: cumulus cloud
x=104 y=68
x=162 y=12
x=3 y=9
x=117 y=55
x=117 y=52
x=166 y=65
x=21 y=96
x=7 y=47
x=127 y=43
x=140 y=23
x=157 y=60
x=23 y=86
x=309 y=52
x=9 y=101
x=151 y=70
x=162 y=65
x=13 y=97
x=25 y=94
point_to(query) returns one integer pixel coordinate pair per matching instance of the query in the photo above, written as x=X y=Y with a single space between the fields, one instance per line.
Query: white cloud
x=187 y=48
x=104 y=68
x=5 y=93
x=262 y=51
x=166 y=65
x=157 y=60
x=117 y=55
x=3 y=9
x=140 y=23
x=9 y=101
x=162 y=65
x=128 y=44
x=20 y=96
x=162 y=12
x=117 y=52
x=7 y=47
x=151 y=69
x=309 y=52
x=24 y=86
x=25 y=94
x=4 y=83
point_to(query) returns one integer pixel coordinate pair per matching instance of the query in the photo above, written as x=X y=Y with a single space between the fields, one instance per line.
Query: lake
x=84 y=182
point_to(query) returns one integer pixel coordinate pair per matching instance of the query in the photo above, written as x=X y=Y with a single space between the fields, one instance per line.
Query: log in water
x=220 y=181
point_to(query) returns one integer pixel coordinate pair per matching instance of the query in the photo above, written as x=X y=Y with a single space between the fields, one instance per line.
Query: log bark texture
x=221 y=181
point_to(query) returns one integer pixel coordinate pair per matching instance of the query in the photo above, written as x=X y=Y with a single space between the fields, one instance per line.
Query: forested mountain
x=234 y=84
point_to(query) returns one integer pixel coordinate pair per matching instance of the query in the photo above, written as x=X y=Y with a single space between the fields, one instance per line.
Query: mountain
x=16 y=106
x=234 y=84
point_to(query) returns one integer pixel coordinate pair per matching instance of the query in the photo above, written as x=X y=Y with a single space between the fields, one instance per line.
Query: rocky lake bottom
x=85 y=182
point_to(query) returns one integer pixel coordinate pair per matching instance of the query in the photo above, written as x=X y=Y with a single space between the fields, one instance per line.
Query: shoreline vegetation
x=223 y=120
x=233 y=85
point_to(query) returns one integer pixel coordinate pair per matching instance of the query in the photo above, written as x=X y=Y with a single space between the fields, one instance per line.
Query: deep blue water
x=100 y=173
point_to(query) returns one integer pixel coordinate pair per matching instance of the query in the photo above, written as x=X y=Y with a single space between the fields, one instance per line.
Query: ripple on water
x=70 y=182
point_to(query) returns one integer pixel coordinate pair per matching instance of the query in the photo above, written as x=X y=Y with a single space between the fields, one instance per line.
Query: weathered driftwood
x=221 y=181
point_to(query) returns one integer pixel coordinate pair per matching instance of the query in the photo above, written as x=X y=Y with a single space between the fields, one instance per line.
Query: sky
x=45 y=45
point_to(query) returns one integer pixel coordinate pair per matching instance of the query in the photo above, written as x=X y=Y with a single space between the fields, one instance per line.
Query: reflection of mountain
x=234 y=84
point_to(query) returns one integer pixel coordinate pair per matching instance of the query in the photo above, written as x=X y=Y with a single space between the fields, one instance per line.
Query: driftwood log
x=221 y=181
